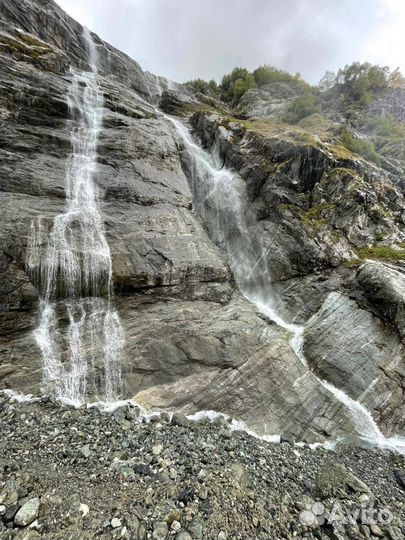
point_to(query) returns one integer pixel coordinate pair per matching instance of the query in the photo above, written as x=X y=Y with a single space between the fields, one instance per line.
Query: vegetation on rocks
x=239 y=80
x=363 y=147
x=301 y=107
x=350 y=91
x=359 y=82
x=386 y=253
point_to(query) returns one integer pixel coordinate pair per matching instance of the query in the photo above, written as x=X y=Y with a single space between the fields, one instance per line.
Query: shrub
x=235 y=84
x=301 y=107
x=204 y=87
x=387 y=253
x=268 y=74
x=363 y=147
x=384 y=126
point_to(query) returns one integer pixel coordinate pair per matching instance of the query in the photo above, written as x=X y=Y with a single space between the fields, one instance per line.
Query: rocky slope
x=193 y=341
x=81 y=474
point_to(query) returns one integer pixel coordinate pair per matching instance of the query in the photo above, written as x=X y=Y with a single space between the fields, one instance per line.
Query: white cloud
x=184 y=39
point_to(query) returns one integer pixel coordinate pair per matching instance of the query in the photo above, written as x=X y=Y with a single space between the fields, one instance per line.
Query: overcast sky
x=186 y=39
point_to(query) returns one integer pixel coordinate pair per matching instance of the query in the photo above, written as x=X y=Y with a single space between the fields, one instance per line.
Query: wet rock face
x=189 y=336
x=155 y=238
x=316 y=210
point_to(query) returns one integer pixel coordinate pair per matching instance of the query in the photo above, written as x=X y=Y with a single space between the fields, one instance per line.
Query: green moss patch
x=387 y=253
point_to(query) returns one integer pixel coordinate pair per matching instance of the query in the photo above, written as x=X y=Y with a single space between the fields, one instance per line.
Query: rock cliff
x=193 y=341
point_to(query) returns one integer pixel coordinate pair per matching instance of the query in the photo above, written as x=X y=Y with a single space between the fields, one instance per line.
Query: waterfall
x=79 y=332
x=220 y=200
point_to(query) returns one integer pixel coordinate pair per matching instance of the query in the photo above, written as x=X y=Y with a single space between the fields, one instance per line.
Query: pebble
x=175 y=526
x=27 y=513
x=376 y=530
x=115 y=523
x=157 y=450
x=172 y=483
x=160 y=531
x=84 y=509
x=183 y=535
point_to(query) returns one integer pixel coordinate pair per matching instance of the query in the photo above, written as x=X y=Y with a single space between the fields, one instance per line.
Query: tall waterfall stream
x=219 y=196
x=79 y=332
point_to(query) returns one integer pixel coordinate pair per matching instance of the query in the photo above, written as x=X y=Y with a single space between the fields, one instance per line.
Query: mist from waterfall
x=79 y=331
x=220 y=200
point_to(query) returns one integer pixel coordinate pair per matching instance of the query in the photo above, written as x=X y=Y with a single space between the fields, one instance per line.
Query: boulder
x=384 y=286
x=334 y=480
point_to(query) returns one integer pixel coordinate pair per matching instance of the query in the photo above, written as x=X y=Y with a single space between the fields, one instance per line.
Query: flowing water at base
x=220 y=200
x=79 y=332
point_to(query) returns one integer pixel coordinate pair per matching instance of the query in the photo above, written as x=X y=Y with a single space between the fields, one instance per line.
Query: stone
x=334 y=480
x=238 y=474
x=133 y=412
x=376 y=530
x=10 y=513
x=400 y=476
x=183 y=535
x=179 y=419
x=186 y=495
x=160 y=531
x=196 y=527
x=115 y=523
x=363 y=498
x=175 y=525
x=85 y=450
x=120 y=413
x=27 y=513
x=84 y=509
x=157 y=449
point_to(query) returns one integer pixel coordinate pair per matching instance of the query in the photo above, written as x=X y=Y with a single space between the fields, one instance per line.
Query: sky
x=187 y=39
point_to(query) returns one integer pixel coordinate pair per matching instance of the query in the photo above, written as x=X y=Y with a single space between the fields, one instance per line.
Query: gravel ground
x=69 y=473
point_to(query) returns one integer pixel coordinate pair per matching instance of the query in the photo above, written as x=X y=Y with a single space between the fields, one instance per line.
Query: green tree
x=328 y=81
x=301 y=107
x=204 y=87
x=396 y=79
x=384 y=126
x=359 y=83
x=236 y=83
x=266 y=74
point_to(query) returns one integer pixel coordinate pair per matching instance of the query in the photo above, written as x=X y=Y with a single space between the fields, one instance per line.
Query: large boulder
x=384 y=286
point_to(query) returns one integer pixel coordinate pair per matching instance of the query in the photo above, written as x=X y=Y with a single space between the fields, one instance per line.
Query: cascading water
x=219 y=196
x=79 y=332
